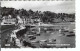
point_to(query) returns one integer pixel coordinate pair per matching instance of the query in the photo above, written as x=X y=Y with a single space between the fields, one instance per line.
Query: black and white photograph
x=37 y=24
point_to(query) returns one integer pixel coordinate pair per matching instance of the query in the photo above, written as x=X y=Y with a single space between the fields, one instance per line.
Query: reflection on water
x=55 y=35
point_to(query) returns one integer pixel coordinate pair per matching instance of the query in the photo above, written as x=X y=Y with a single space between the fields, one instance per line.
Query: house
x=8 y=20
x=35 y=20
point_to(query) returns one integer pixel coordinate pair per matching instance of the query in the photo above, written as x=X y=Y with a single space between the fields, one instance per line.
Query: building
x=8 y=20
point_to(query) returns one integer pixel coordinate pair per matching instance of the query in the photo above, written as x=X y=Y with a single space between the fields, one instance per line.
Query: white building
x=7 y=20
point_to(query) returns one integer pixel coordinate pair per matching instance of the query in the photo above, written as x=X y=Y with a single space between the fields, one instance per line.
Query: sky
x=53 y=6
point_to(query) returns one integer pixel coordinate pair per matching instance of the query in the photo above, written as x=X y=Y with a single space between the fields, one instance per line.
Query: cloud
x=54 y=6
